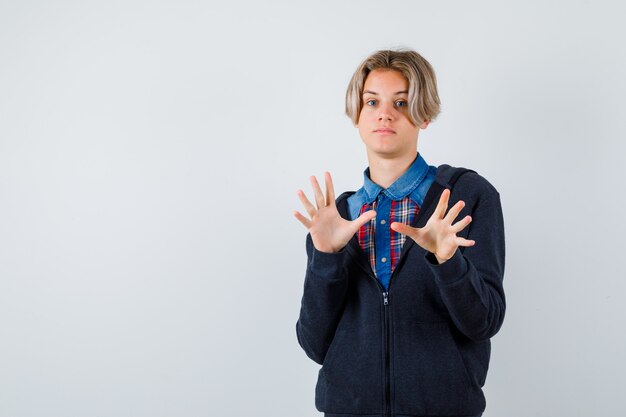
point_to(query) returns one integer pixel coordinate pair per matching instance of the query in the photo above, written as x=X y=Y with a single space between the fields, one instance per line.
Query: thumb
x=363 y=218
x=402 y=228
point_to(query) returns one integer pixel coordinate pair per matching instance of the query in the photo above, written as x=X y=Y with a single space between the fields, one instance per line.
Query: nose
x=385 y=112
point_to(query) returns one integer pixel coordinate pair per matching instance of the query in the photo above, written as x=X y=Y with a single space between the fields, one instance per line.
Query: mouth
x=385 y=131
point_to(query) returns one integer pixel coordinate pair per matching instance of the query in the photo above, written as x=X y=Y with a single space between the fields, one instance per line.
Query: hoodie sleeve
x=325 y=286
x=470 y=282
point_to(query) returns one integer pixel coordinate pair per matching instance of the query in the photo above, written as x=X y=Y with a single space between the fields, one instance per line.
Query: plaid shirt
x=400 y=202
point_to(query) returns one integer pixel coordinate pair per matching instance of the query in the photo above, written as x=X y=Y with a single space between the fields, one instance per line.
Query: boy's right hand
x=329 y=231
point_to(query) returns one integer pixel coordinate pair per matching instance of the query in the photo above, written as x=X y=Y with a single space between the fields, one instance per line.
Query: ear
x=424 y=124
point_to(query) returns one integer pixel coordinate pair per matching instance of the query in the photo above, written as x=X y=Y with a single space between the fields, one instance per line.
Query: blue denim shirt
x=415 y=183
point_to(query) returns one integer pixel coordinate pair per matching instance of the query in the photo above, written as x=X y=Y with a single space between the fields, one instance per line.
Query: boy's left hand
x=439 y=234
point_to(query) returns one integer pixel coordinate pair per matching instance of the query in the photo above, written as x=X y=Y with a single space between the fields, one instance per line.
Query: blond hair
x=423 y=102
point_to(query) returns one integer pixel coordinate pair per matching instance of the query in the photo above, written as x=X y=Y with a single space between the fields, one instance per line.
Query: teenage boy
x=400 y=300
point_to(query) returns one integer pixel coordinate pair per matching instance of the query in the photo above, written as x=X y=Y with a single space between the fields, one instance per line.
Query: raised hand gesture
x=439 y=234
x=329 y=231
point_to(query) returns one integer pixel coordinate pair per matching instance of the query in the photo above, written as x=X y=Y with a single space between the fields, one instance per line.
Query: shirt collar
x=402 y=186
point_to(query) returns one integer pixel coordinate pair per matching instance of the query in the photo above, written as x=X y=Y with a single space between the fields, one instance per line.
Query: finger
x=319 y=197
x=461 y=224
x=465 y=242
x=307 y=204
x=363 y=218
x=306 y=222
x=402 y=228
x=454 y=211
x=330 y=190
x=442 y=205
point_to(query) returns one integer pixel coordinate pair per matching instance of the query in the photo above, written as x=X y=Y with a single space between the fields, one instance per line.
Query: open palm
x=329 y=231
x=439 y=234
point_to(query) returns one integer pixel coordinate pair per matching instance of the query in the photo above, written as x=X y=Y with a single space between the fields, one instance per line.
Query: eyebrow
x=375 y=93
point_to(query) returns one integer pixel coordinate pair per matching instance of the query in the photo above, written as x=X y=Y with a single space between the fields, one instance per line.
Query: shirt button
x=383 y=221
x=384 y=259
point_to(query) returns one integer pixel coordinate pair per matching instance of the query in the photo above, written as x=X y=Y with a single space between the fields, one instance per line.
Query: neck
x=385 y=172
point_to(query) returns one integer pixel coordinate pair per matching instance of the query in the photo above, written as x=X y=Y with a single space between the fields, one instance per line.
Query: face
x=383 y=123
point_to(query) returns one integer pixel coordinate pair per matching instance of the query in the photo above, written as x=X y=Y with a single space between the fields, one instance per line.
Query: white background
x=150 y=153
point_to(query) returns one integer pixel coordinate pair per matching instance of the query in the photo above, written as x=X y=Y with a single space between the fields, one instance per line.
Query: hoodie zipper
x=386 y=349
x=387 y=355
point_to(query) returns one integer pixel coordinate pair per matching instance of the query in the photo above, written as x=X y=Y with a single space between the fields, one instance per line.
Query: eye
x=401 y=103
x=372 y=101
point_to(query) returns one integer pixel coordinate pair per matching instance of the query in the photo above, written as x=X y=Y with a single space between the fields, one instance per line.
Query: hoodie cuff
x=327 y=264
x=452 y=270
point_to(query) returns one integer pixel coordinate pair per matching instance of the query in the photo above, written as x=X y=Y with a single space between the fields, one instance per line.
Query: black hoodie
x=423 y=347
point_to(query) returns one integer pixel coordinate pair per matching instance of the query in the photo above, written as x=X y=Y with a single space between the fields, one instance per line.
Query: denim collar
x=415 y=183
x=401 y=187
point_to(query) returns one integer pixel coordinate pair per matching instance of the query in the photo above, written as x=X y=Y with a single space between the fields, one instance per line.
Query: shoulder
x=470 y=184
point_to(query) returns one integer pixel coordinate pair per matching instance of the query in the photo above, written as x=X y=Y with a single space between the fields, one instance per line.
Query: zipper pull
x=386 y=298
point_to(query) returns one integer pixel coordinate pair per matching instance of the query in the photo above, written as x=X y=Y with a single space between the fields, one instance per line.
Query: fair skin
x=391 y=143
x=389 y=136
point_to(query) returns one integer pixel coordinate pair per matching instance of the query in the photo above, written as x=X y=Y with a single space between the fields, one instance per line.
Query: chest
x=381 y=245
